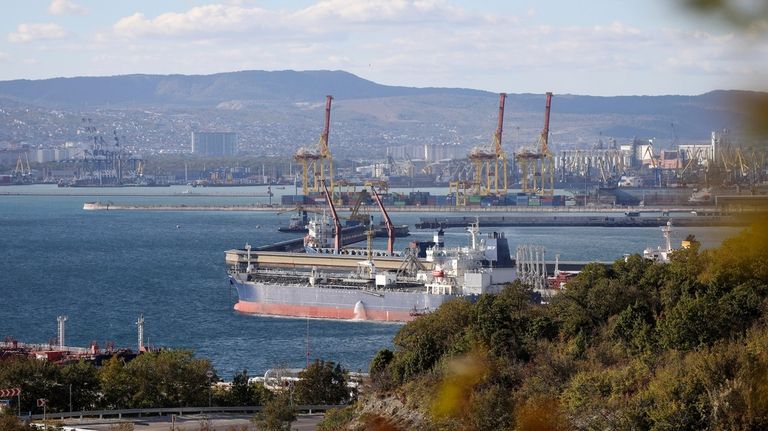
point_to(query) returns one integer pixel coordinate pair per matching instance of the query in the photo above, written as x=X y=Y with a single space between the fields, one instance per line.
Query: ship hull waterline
x=334 y=303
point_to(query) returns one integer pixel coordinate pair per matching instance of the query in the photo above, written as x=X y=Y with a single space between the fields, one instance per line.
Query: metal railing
x=164 y=411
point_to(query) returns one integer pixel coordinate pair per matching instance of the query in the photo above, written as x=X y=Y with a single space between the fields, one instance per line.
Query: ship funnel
x=360 y=313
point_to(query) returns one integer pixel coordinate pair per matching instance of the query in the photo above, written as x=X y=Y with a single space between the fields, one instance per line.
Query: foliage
x=336 y=419
x=277 y=415
x=12 y=423
x=634 y=345
x=167 y=378
x=170 y=378
x=323 y=382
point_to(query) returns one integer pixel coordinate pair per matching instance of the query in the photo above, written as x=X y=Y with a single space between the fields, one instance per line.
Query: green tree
x=323 y=382
x=424 y=341
x=83 y=378
x=277 y=415
x=115 y=383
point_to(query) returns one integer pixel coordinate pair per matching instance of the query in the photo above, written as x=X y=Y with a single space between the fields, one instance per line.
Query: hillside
x=637 y=345
x=269 y=109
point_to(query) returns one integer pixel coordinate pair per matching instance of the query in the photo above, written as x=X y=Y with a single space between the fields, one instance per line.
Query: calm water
x=103 y=269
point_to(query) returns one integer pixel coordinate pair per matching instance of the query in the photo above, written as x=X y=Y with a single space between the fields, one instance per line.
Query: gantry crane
x=537 y=174
x=487 y=162
x=315 y=162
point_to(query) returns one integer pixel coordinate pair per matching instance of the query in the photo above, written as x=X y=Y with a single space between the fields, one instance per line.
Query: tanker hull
x=345 y=303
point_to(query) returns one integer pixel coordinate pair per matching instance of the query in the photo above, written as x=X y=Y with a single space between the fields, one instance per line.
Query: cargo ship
x=367 y=284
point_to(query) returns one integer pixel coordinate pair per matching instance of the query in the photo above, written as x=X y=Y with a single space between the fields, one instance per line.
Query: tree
x=115 y=384
x=323 y=382
x=83 y=379
x=277 y=415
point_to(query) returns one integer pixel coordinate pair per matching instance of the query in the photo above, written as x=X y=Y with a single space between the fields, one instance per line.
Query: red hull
x=321 y=312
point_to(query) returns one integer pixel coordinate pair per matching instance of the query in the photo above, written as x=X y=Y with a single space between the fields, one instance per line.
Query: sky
x=594 y=47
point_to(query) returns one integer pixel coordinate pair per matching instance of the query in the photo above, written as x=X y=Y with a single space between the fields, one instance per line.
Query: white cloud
x=4 y=57
x=419 y=42
x=38 y=31
x=65 y=7
x=201 y=20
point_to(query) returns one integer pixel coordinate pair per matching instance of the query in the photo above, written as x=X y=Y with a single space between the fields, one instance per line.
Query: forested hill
x=639 y=345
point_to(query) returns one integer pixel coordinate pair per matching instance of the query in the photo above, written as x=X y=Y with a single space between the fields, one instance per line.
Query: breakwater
x=578 y=221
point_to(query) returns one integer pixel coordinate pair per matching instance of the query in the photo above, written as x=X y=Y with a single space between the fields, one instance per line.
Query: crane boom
x=336 y=222
x=388 y=221
x=324 y=151
x=545 y=131
x=500 y=126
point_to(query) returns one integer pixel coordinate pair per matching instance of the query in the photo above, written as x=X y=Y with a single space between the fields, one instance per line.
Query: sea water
x=103 y=269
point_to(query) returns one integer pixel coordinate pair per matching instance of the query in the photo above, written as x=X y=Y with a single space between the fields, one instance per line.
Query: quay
x=579 y=221
x=108 y=206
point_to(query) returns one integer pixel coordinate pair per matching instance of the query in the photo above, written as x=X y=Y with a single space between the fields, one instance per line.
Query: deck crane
x=336 y=222
x=387 y=221
x=316 y=161
x=489 y=161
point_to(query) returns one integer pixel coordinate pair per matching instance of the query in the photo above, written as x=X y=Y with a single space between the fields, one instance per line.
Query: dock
x=578 y=221
x=617 y=210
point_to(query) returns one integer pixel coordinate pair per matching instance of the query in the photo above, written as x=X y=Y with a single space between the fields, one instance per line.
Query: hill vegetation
x=254 y=102
x=638 y=345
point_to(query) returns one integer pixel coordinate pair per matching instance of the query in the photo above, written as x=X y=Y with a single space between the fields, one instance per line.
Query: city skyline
x=616 y=48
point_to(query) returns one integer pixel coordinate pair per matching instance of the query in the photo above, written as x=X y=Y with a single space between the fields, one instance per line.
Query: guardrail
x=164 y=411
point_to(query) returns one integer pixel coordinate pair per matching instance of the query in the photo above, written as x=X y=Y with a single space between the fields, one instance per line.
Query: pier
x=579 y=221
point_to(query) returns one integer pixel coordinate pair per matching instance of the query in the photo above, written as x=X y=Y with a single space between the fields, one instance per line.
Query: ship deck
x=283 y=259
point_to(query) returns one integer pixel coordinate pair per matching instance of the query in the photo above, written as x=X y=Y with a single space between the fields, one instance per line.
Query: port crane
x=537 y=173
x=22 y=172
x=487 y=162
x=317 y=162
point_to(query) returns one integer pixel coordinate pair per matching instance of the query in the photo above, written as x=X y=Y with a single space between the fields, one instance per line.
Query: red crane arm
x=388 y=221
x=336 y=222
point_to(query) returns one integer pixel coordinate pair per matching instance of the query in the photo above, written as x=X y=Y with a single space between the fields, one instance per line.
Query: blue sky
x=598 y=47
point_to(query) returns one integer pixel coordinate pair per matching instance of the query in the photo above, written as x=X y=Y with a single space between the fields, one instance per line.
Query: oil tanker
x=367 y=284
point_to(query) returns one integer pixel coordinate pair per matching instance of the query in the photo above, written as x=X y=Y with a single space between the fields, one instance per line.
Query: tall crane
x=487 y=162
x=315 y=162
x=537 y=173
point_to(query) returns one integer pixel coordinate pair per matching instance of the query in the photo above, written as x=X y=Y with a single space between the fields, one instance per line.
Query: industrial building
x=214 y=143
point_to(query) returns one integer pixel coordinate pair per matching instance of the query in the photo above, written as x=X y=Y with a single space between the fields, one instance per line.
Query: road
x=217 y=422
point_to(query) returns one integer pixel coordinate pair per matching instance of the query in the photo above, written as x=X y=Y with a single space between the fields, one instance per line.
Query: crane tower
x=317 y=162
x=488 y=162
x=537 y=174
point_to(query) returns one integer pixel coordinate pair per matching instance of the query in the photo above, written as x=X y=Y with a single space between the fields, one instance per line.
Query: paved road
x=218 y=422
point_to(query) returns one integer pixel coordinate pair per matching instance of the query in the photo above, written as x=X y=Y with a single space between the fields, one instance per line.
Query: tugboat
x=298 y=223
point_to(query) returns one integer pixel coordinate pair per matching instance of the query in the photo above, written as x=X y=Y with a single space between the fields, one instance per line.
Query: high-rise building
x=214 y=143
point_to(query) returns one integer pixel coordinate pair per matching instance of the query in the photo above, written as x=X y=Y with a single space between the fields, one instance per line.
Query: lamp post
x=209 y=374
